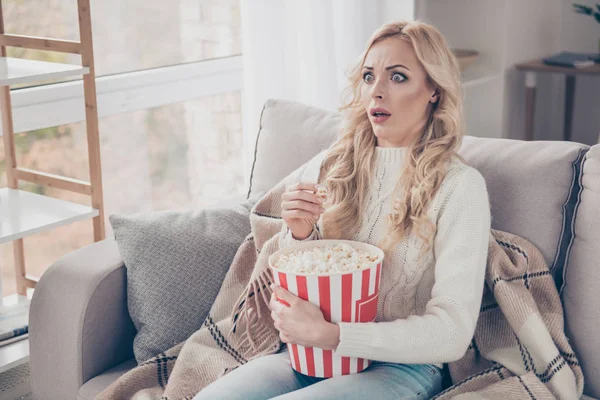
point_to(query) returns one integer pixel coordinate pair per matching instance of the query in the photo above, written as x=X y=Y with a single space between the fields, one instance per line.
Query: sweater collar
x=390 y=155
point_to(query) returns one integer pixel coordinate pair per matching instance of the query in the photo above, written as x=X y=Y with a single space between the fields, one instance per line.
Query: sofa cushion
x=176 y=262
x=290 y=134
x=582 y=278
x=532 y=190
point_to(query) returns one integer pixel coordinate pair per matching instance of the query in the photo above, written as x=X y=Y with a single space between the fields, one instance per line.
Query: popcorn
x=322 y=191
x=323 y=260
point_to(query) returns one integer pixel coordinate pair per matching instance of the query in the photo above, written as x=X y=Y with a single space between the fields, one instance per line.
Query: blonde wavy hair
x=348 y=166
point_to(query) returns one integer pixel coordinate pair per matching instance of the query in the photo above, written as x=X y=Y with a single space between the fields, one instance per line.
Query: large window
x=169 y=100
x=132 y=35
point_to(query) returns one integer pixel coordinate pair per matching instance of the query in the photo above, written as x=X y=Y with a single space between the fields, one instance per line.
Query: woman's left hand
x=299 y=323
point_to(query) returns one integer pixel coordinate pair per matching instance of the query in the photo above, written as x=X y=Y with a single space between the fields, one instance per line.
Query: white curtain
x=300 y=50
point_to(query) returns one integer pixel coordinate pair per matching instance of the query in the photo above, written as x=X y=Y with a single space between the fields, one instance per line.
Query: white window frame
x=63 y=103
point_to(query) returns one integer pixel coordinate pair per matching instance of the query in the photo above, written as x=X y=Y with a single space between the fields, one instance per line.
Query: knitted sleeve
x=444 y=332
x=286 y=238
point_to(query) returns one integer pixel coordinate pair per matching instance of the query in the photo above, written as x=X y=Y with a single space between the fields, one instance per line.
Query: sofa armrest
x=78 y=321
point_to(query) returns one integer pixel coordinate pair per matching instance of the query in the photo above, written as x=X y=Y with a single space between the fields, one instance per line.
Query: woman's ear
x=435 y=96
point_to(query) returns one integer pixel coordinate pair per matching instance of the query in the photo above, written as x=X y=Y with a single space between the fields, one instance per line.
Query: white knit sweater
x=427 y=310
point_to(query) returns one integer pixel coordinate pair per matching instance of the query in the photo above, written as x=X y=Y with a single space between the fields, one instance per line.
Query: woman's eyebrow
x=388 y=68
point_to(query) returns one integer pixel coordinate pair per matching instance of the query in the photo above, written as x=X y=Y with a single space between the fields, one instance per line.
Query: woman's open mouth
x=379 y=115
x=380 y=118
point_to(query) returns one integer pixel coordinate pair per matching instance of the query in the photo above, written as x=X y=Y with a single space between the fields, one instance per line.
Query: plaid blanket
x=519 y=349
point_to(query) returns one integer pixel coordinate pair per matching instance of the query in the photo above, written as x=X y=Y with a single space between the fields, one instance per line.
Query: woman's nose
x=377 y=90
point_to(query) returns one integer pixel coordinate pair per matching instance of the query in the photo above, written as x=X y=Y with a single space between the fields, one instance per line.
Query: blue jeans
x=272 y=377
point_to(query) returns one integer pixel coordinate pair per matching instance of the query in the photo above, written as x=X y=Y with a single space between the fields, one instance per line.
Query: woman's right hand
x=301 y=208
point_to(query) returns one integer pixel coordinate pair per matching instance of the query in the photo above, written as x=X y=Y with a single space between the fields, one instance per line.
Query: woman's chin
x=379 y=133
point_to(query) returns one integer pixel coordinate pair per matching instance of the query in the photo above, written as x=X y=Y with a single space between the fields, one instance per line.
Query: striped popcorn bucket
x=342 y=297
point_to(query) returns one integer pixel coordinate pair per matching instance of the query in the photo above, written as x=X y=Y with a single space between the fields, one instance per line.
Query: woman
x=395 y=180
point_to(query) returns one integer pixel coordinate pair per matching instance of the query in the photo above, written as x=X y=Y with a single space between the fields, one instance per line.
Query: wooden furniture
x=24 y=213
x=531 y=69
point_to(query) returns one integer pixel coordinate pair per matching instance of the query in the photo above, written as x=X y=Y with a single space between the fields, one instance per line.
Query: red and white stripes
x=350 y=297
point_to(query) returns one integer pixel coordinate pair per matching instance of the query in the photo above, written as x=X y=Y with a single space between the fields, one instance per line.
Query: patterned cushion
x=176 y=262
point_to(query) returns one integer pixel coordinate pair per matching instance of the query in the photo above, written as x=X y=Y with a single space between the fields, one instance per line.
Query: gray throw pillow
x=176 y=262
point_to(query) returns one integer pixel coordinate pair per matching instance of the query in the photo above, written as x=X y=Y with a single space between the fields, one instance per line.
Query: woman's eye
x=396 y=77
x=399 y=76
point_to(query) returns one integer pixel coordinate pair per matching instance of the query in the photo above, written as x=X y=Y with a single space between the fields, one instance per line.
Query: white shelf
x=16 y=353
x=24 y=213
x=15 y=299
x=20 y=70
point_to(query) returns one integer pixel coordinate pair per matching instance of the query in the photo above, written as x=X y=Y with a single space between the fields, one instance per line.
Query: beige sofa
x=548 y=192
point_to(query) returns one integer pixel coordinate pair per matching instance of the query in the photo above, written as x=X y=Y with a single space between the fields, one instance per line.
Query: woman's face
x=394 y=79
